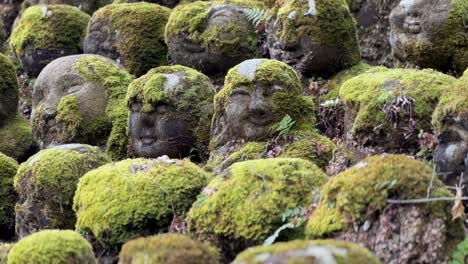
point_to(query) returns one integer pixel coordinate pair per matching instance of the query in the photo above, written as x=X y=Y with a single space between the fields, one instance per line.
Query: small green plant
x=461 y=253
x=284 y=126
x=255 y=16
x=292 y=218
x=330 y=103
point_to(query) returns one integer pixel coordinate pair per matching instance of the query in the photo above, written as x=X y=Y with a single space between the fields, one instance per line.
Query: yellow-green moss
x=68 y=113
x=194 y=99
x=332 y=26
x=8 y=167
x=49 y=27
x=52 y=246
x=115 y=80
x=362 y=191
x=51 y=177
x=141 y=30
x=16 y=138
x=367 y=93
x=309 y=251
x=461 y=253
x=453 y=105
x=191 y=19
x=244 y=207
x=4 y=250
x=334 y=84
x=134 y=197
x=8 y=89
x=167 y=249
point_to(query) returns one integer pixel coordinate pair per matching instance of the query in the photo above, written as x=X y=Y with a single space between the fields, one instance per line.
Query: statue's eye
x=240 y=91
x=73 y=89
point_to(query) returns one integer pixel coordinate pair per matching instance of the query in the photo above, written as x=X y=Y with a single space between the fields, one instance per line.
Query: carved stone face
x=418 y=23
x=160 y=132
x=225 y=41
x=56 y=81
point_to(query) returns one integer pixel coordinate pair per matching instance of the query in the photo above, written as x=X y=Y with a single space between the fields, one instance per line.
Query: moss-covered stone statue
x=81 y=99
x=431 y=34
x=244 y=206
x=303 y=251
x=8 y=168
x=317 y=37
x=52 y=246
x=168 y=248
x=132 y=34
x=261 y=113
x=354 y=206
x=170 y=113
x=134 y=197
x=167 y=3
x=46 y=184
x=450 y=120
x=87 y=6
x=16 y=138
x=47 y=32
x=386 y=109
x=211 y=37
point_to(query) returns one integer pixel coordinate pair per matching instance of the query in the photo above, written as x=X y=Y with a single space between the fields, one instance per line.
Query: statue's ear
x=219 y=133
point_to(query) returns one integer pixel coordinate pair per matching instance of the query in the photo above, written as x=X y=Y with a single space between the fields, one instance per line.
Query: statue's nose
x=258 y=104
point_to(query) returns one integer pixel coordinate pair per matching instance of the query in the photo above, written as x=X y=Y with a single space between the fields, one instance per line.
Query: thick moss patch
x=362 y=191
x=16 y=139
x=49 y=27
x=135 y=197
x=8 y=167
x=52 y=246
x=334 y=84
x=168 y=248
x=244 y=206
x=8 y=89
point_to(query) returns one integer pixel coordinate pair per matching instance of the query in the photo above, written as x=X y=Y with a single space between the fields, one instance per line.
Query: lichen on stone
x=135 y=197
x=52 y=246
x=168 y=248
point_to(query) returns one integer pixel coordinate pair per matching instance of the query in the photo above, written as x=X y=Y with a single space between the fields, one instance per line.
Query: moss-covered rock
x=442 y=43
x=134 y=197
x=47 y=32
x=318 y=44
x=52 y=246
x=16 y=138
x=167 y=248
x=334 y=84
x=353 y=206
x=235 y=120
x=168 y=3
x=86 y=99
x=387 y=108
x=132 y=34
x=303 y=251
x=244 y=206
x=88 y=6
x=8 y=167
x=46 y=184
x=188 y=96
x=211 y=36
x=4 y=250
x=8 y=89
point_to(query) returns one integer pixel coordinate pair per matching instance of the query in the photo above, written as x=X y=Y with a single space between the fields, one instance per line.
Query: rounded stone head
x=74 y=100
x=210 y=36
x=170 y=112
x=317 y=38
x=257 y=94
x=430 y=33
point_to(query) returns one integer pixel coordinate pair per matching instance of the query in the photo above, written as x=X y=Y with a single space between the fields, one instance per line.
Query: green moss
x=362 y=191
x=244 y=207
x=8 y=167
x=367 y=93
x=115 y=80
x=135 y=197
x=453 y=105
x=16 y=138
x=191 y=20
x=8 y=89
x=4 y=250
x=51 y=177
x=332 y=26
x=461 y=253
x=167 y=248
x=52 y=246
x=68 y=113
x=312 y=251
x=334 y=84
x=49 y=27
x=140 y=27
x=193 y=98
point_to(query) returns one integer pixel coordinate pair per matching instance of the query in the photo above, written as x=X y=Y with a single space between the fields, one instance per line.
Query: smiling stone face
x=430 y=33
x=170 y=107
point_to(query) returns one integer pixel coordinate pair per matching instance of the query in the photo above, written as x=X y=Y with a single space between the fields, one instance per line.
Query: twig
x=425 y=200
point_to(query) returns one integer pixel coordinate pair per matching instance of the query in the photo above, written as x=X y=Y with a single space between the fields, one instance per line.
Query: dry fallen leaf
x=458 y=209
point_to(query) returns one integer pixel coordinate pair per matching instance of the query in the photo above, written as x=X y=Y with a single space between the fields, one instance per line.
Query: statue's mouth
x=413 y=27
x=259 y=120
x=191 y=47
x=148 y=140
